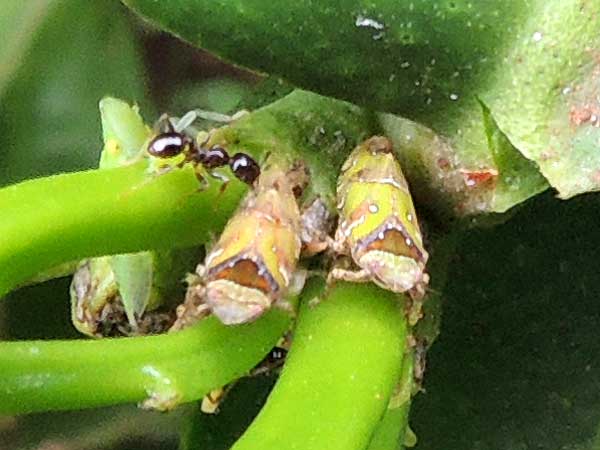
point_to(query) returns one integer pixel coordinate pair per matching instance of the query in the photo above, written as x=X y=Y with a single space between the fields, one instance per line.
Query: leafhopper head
x=233 y=303
x=394 y=272
x=239 y=291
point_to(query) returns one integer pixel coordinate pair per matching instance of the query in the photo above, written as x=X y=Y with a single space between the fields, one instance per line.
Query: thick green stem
x=161 y=370
x=391 y=430
x=344 y=362
x=51 y=220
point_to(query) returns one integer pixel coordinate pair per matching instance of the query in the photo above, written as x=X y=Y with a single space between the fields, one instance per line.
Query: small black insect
x=244 y=168
x=276 y=356
x=170 y=143
x=272 y=362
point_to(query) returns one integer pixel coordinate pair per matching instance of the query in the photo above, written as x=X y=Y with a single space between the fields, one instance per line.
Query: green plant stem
x=390 y=432
x=163 y=370
x=344 y=362
x=49 y=221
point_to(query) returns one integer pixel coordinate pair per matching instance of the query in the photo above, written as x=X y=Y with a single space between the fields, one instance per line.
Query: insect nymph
x=378 y=226
x=253 y=265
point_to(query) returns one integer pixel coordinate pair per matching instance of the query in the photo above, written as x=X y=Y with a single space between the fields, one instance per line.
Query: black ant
x=171 y=142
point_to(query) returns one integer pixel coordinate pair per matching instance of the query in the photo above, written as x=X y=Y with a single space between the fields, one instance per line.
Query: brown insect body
x=253 y=263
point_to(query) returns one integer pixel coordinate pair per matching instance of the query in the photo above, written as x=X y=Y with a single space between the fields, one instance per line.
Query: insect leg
x=286 y=306
x=355 y=276
x=187 y=119
x=193 y=308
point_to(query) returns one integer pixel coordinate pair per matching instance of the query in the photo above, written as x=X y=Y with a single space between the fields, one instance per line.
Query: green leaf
x=545 y=97
x=162 y=371
x=518 y=177
x=134 y=274
x=218 y=95
x=516 y=365
x=123 y=132
x=533 y=64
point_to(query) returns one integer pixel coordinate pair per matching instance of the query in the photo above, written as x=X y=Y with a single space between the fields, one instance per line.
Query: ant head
x=168 y=142
x=167 y=145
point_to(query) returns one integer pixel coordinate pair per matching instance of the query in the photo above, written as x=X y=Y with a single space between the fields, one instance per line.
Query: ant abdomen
x=244 y=167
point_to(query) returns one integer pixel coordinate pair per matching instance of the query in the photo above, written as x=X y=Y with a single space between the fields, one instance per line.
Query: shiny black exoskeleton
x=172 y=143
x=276 y=356
x=244 y=168
x=213 y=157
x=169 y=144
x=273 y=361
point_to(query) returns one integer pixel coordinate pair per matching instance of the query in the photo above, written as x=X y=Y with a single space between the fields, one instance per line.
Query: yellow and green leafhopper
x=378 y=226
x=254 y=262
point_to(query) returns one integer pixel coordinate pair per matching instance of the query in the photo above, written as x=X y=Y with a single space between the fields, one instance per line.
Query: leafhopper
x=378 y=225
x=253 y=264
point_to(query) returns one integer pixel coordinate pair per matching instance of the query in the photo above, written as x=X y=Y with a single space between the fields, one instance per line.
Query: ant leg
x=152 y=175
x=212 y=116
x=164 y=124
x=238 y=115
x=219 y=176
x=354 y=276
x=191 y=116
x=187 y=119
x=204 y=184
x=222 y=178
